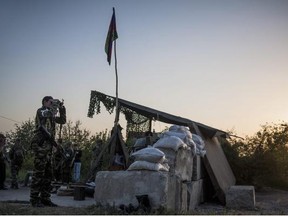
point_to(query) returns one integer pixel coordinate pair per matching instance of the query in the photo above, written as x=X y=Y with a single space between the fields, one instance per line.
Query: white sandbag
x=140 y=143
x=192 y=145
x=145 y=165
x=174 y=128
x=183 y=129
x=198 y=141
x=172 y=142
x=182 y=136
x=200 y=152
x=200 y=145
x=180 y=129
x=149 y=154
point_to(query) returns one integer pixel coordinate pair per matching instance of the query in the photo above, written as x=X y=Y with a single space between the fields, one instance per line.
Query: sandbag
x=199 y=145
x=140 y=143
x=198 y=141
x=145 y=165
x=182 y=129
x=192 y=145
x=149 y=154
x=172 y=142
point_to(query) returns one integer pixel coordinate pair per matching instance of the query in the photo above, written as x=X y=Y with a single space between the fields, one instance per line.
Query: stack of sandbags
x=149 y=158
x=184 y=134
x=178 y=154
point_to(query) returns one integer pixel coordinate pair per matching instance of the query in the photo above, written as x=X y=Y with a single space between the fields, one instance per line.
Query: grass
x=7 y=208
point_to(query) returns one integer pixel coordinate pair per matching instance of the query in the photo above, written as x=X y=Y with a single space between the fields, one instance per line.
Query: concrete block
x=174 y=192
x=240 y=196
x=121 y=187
x=198 y=168
x=195 y=194
x=184 y=197
x=180 y=162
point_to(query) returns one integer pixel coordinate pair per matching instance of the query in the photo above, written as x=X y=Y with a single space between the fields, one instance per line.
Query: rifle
x=52 y=140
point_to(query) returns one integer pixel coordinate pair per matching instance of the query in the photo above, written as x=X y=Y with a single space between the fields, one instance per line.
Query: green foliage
x=69 y=132
x=24 y=132
x=262 y=159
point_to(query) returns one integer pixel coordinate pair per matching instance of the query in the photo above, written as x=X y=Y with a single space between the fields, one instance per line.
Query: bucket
x=79 y=193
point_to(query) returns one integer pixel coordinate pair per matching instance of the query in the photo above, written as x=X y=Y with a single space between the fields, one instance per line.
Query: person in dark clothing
x=42 y=145
x=57 y=162
x=67 y=163
x=77 y=164
x=2 y=163
x=16 y=155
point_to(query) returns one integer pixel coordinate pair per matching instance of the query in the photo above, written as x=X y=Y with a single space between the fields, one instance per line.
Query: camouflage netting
x=135 y=122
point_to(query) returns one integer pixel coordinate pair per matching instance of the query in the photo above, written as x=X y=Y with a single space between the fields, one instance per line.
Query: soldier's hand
x=62 y=109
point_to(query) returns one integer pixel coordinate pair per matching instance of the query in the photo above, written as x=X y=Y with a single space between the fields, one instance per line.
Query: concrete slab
x=180 y=162
x=121 y=187
x=195 y=193
x=23 y=195
x=240 y=196
x=198 y=168
x=218 y=168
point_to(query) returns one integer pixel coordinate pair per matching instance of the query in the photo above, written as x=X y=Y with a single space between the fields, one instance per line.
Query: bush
x=260 y=160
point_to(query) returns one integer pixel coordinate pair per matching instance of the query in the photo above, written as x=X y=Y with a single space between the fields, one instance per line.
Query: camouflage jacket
x=46 y=118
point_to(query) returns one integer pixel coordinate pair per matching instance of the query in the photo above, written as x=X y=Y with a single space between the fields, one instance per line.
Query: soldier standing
x=16 y=155
x=67 y=164
x=42 y=147
x=77 y=164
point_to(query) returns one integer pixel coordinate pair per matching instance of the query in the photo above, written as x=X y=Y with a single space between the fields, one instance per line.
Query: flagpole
x=116 y=73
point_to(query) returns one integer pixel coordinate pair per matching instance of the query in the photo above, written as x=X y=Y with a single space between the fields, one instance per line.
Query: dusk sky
x=222 y=63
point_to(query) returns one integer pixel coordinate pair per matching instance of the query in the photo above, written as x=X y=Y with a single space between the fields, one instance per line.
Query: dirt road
x=268 y=201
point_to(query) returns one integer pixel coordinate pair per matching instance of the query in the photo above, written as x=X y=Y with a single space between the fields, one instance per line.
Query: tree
x=262 y=159
x=24 y=131
x=70 y=132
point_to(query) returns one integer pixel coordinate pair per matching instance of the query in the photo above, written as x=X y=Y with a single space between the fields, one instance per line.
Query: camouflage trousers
x=42 y=172
x=14 y=173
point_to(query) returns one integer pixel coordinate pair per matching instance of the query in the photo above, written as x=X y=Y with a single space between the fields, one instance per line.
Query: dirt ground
x=268 y=201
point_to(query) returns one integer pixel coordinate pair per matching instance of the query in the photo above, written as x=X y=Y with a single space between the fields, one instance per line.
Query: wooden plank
x=218 y=168
x=216 y=165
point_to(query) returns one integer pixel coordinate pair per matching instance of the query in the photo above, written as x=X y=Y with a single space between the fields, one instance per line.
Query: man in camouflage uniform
x=16 y=155
x=57 y=158
x=42 y=147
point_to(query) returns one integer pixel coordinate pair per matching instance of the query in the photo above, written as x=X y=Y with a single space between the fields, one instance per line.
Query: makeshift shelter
x=215 y=161
x=117 y=147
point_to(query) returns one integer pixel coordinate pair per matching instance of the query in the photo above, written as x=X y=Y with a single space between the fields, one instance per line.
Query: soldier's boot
x=48 y=203
x=37 y=204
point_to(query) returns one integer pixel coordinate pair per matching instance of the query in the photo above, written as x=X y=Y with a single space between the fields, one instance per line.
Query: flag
x=111 y=36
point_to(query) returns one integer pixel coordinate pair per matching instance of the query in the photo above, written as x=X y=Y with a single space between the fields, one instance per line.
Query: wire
x=9 y=119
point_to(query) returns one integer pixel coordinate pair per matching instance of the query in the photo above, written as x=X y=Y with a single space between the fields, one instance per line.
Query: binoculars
x=56 y=103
